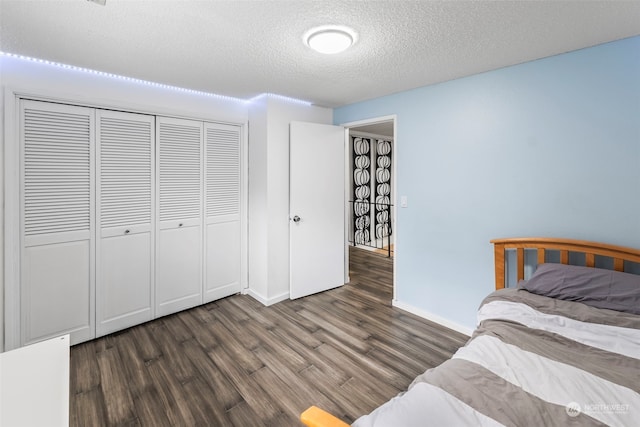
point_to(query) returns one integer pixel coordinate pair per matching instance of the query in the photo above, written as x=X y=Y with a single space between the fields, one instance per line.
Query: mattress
x=532 y=361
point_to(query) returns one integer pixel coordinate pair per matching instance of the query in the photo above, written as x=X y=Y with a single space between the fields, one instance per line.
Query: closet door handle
x=127 y=231
x=180 y=225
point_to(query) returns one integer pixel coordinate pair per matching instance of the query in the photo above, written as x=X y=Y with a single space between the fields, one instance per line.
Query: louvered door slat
x=126 y=213
x=57 y=171
x=57 y=221
x=126 y=169
x=222 y=198
x=179 y=170
x=179 y=247
x=222 y=170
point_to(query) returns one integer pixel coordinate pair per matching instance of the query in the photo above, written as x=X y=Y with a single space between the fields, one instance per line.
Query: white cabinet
x=179 y=248
x=57 y=222
x=125 y=245
x=34 y=385
x=222 y=211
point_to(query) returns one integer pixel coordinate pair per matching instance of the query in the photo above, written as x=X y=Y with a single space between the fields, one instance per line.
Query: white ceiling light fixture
x=330 y=39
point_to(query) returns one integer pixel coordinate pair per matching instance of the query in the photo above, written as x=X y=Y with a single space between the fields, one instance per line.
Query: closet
x=124 y=217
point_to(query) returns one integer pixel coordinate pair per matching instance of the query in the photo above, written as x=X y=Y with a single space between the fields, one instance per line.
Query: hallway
x=373 y=271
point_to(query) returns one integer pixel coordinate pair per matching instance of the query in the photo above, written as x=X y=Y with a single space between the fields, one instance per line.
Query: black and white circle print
x=361 y=177
x=384 y=147
x=361 y=222
x=362 y=162
x=362 y=237
x=384 y=161
x=360 y=209
x=382 y=216
x=383 y=188
x=361 y=189
x=382 y=203
x=361 y=146
x=383 y=230
x=368 y=177
x=383 y=175
x=362 y=192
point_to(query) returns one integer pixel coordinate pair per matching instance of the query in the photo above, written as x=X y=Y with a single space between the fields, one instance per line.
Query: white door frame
x=394 y=192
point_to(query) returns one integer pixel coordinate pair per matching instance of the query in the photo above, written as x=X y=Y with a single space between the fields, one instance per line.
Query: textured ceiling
x=245 y=48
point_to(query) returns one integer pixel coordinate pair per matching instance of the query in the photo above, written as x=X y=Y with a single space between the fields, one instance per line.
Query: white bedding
x=532 y=361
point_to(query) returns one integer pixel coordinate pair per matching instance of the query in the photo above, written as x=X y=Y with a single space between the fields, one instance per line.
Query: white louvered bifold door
x=57 y=221
x=179 y=237
x=222 y=210
x=125 y=211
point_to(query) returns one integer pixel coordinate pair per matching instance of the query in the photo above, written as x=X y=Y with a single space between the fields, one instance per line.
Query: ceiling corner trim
x=279 y=97
x=149 y=83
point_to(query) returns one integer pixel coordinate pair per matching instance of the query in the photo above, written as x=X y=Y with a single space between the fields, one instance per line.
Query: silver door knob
x=296 y=218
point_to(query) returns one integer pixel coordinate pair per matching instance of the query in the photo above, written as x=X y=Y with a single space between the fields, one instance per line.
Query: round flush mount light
x=330 y=39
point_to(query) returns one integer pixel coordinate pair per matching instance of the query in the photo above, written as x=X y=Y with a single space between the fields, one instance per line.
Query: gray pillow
x=596 y=287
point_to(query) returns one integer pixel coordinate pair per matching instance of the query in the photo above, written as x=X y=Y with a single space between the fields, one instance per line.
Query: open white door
x=316 y=226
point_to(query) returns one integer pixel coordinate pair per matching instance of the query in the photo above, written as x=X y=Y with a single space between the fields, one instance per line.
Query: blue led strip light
x=148 y=83
x=280 y=97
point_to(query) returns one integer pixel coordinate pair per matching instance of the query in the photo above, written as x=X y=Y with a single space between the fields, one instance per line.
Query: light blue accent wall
x=545 y=148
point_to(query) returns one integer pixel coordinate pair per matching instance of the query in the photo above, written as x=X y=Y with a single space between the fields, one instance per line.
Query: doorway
x=371 y=148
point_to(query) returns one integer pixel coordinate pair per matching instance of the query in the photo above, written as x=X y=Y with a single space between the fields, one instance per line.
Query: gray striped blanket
x=533 y=361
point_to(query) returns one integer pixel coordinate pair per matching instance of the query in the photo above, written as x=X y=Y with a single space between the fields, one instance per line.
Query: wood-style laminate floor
x=235 y=362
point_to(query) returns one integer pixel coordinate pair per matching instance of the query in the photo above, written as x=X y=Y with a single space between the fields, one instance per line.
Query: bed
x=561 y=348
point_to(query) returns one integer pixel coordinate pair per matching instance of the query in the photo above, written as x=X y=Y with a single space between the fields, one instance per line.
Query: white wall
x=38 y=79
x=269 y=164
x=258 y=209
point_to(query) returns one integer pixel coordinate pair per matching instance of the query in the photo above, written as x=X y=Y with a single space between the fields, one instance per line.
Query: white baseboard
x=267 y=301
x=433 y=317
x=406 y=307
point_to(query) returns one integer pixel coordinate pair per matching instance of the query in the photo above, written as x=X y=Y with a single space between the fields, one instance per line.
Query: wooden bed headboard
x=619 y=254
